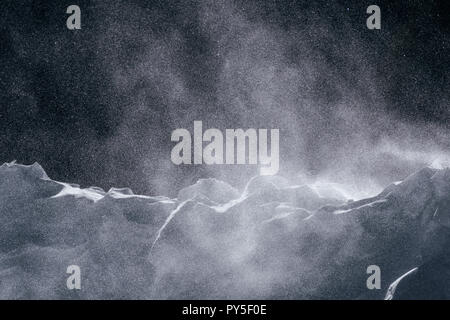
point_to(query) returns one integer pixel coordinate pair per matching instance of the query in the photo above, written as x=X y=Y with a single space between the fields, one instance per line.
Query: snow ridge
x=273 y=240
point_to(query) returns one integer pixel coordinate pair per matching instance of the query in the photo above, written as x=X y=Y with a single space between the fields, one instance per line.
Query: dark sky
x=96 y=106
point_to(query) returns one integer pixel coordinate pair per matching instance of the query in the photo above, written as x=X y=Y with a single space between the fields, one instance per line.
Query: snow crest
x=270 y=241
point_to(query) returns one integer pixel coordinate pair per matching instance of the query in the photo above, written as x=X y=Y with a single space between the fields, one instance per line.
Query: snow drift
x=272 y=240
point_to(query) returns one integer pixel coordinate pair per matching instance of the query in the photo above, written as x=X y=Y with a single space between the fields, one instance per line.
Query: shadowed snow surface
x=272 y=240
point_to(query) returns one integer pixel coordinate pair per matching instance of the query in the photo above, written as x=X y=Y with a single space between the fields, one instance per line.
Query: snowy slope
x=272 y=240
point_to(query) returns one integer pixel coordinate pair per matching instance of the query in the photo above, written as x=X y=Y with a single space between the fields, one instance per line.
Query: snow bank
x=273 y=240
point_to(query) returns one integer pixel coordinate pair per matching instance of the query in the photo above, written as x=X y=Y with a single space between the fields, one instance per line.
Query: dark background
x=96 y=106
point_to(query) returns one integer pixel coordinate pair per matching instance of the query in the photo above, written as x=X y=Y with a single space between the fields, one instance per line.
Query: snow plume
x=350 y=128
x=98 y=107
x=227 y=64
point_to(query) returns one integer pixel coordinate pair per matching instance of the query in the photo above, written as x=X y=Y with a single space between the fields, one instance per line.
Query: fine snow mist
x=335 y=123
